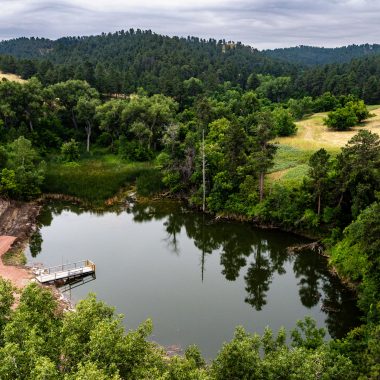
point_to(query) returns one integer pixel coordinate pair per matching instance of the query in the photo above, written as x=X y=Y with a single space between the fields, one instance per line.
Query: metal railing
x=68 y=267
x=69 y=270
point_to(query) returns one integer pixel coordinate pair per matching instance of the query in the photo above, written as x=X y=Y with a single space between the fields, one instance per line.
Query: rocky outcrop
x=18 y=219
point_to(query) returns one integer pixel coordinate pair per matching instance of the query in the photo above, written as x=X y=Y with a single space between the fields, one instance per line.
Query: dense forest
x=126 y=60
x=122 y=62
x=203 y=117
x=312 y=56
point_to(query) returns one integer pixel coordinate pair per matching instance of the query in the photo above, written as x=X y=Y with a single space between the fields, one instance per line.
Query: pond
x=197 y=278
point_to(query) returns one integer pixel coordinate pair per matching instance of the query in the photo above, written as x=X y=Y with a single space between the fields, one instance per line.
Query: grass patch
x=14 y=256
x=289 y=157
x=93 y=179
x=149 y=183
x=11 y=77
x=294 y=176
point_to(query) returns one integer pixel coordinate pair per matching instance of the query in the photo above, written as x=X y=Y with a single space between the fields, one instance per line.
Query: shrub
x=284 y=123
x=341 y=119
x=70 y=151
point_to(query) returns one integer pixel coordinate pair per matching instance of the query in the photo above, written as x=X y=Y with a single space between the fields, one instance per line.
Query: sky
x=263 y=24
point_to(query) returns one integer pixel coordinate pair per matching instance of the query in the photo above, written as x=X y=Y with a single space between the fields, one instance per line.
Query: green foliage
x=93 y=180
x=24 y=174
x=307 y=334
x=341 y=119
x=70 y=151
x=149 y=183
x=357 y=256
x=275 y=89
x=6 y=302
x=357 y=168
x=359 y=108
x=39 y=342
x=133 y=151
x=283 y=123
x=301 y=107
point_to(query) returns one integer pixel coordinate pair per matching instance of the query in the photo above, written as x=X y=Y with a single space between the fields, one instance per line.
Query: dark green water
x=196 y=278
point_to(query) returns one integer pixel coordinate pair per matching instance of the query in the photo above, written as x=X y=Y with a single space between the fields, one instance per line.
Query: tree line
x=316 y=56
x=122 y=62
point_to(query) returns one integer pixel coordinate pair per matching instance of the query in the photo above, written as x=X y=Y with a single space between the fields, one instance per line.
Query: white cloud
x=261 y=23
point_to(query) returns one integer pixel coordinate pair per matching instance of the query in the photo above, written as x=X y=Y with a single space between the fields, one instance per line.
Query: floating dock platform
x=65 y=272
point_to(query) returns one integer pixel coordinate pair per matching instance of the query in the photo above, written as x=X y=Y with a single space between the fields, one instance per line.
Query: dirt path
x=18 y=276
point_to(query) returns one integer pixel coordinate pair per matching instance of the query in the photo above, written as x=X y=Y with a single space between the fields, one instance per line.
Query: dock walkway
x=65 y=272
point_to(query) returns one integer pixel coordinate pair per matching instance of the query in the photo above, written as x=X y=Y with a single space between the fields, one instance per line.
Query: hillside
x=126 y=60
x=312 y=56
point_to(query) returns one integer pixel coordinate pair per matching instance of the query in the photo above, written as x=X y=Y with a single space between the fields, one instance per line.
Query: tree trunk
x=31 y=125
x=73 y=118
x=88 y=131
x=319 y=204
x=261 y=186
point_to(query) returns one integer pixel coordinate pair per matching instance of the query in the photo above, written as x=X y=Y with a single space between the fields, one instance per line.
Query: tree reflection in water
x=240 y=245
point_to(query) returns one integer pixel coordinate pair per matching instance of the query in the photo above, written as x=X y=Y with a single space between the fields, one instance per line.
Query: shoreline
x=18 y=220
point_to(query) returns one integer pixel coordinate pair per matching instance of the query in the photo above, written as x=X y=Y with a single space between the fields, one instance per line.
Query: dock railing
x=69 y=267
x=65 y=271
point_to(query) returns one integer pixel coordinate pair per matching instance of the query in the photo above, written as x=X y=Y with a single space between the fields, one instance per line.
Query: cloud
x=260 y=23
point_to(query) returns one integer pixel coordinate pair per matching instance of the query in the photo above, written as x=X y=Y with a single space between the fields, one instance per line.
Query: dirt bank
x=17 y=275
x=17 y=223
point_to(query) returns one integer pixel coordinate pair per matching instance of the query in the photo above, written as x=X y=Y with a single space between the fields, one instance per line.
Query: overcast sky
x=260 y=23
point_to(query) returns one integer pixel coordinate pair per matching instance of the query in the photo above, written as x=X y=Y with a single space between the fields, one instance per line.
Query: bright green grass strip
x=289 y=157
x=294 y=176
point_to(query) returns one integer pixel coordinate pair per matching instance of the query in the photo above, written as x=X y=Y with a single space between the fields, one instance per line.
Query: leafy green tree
x=319 y=166
x=109 y=117
x=85 y=110
x=283 y=122
x=6 y=302
x=29 y=170
x=261 y=158
x=68 y=94
x=70 y=151
x=341 y=119
x=8 y=183
x=274 y=88
x=356 y=257
x=326 y=102
x=357 y=168
x=359 y=108
x=307 y=334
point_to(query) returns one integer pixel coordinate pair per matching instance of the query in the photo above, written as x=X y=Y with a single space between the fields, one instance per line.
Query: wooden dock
x=65 y=272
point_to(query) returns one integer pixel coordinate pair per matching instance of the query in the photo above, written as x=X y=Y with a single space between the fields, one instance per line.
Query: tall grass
x=93 y=180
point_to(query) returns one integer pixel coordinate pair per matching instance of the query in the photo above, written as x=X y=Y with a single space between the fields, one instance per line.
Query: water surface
x=196 y=278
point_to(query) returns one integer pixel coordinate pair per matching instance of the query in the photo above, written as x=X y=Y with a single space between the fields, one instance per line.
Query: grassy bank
x=93 y=179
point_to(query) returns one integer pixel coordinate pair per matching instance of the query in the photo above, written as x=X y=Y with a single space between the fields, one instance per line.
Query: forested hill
x=26 y=47
x=311 y=56
x=126 y=60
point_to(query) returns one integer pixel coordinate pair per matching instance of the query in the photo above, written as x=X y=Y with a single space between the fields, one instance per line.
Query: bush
x=70 y=151
x=149 y=183
x=134 y=151
x=284 y=123
x=341 y=119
